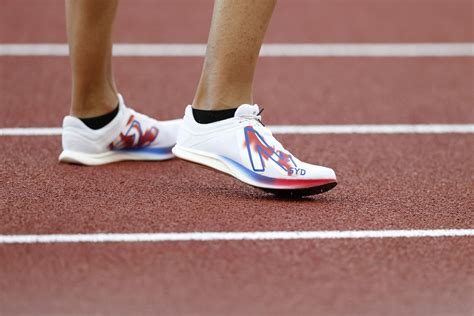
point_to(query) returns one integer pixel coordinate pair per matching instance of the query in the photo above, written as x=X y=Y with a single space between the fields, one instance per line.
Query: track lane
x=364 y=277
x=319 y=90
x=385 y=182
x=310 y=21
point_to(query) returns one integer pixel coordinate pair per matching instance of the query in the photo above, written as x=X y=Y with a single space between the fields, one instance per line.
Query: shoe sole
x=295 y=193
x=226 y=166
x=73 y=157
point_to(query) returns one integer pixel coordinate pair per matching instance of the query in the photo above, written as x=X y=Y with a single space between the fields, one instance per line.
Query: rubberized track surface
x=386 y=181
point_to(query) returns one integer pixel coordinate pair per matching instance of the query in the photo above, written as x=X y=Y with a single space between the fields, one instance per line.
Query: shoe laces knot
x=253 y=116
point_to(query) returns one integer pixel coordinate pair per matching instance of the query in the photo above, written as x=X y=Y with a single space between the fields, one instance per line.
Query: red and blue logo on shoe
x=134 y=137
x=260 y=152
x=137 y=140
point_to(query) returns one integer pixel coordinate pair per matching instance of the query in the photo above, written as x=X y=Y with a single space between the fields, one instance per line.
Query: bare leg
x=235 y=38
x=89 y=27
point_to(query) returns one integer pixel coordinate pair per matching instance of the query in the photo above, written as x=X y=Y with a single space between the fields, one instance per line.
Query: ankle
x=93 y=104
x=225 y=97
x=98 y=122
x=212 y=116
x=218 y=104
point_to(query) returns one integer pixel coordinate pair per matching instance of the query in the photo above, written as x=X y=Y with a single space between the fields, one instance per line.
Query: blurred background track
x=385 y=181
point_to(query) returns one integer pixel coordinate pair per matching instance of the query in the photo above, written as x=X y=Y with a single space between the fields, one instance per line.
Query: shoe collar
x=243 y=111
x=121 y=100
x=246 y=110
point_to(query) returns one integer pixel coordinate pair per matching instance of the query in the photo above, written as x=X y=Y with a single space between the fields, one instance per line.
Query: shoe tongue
x=246 y=110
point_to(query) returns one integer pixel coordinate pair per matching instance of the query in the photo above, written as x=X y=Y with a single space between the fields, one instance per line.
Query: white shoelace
x=265 y=131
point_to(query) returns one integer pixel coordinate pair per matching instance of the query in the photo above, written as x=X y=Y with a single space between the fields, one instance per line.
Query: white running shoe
x=245 y=149
x=129 y=136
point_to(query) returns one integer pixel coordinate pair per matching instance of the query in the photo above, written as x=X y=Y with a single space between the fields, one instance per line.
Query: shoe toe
x=319 y=172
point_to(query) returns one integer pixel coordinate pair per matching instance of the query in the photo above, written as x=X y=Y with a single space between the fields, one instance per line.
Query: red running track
x=318 y=90
x=297 y=21
x=364 y=277
x=385 y=182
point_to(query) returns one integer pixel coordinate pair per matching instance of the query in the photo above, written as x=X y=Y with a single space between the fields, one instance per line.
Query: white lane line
x=300 y=129
x=221 y=236
x=374 y=129
x=275 y=50
x=31 y=131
